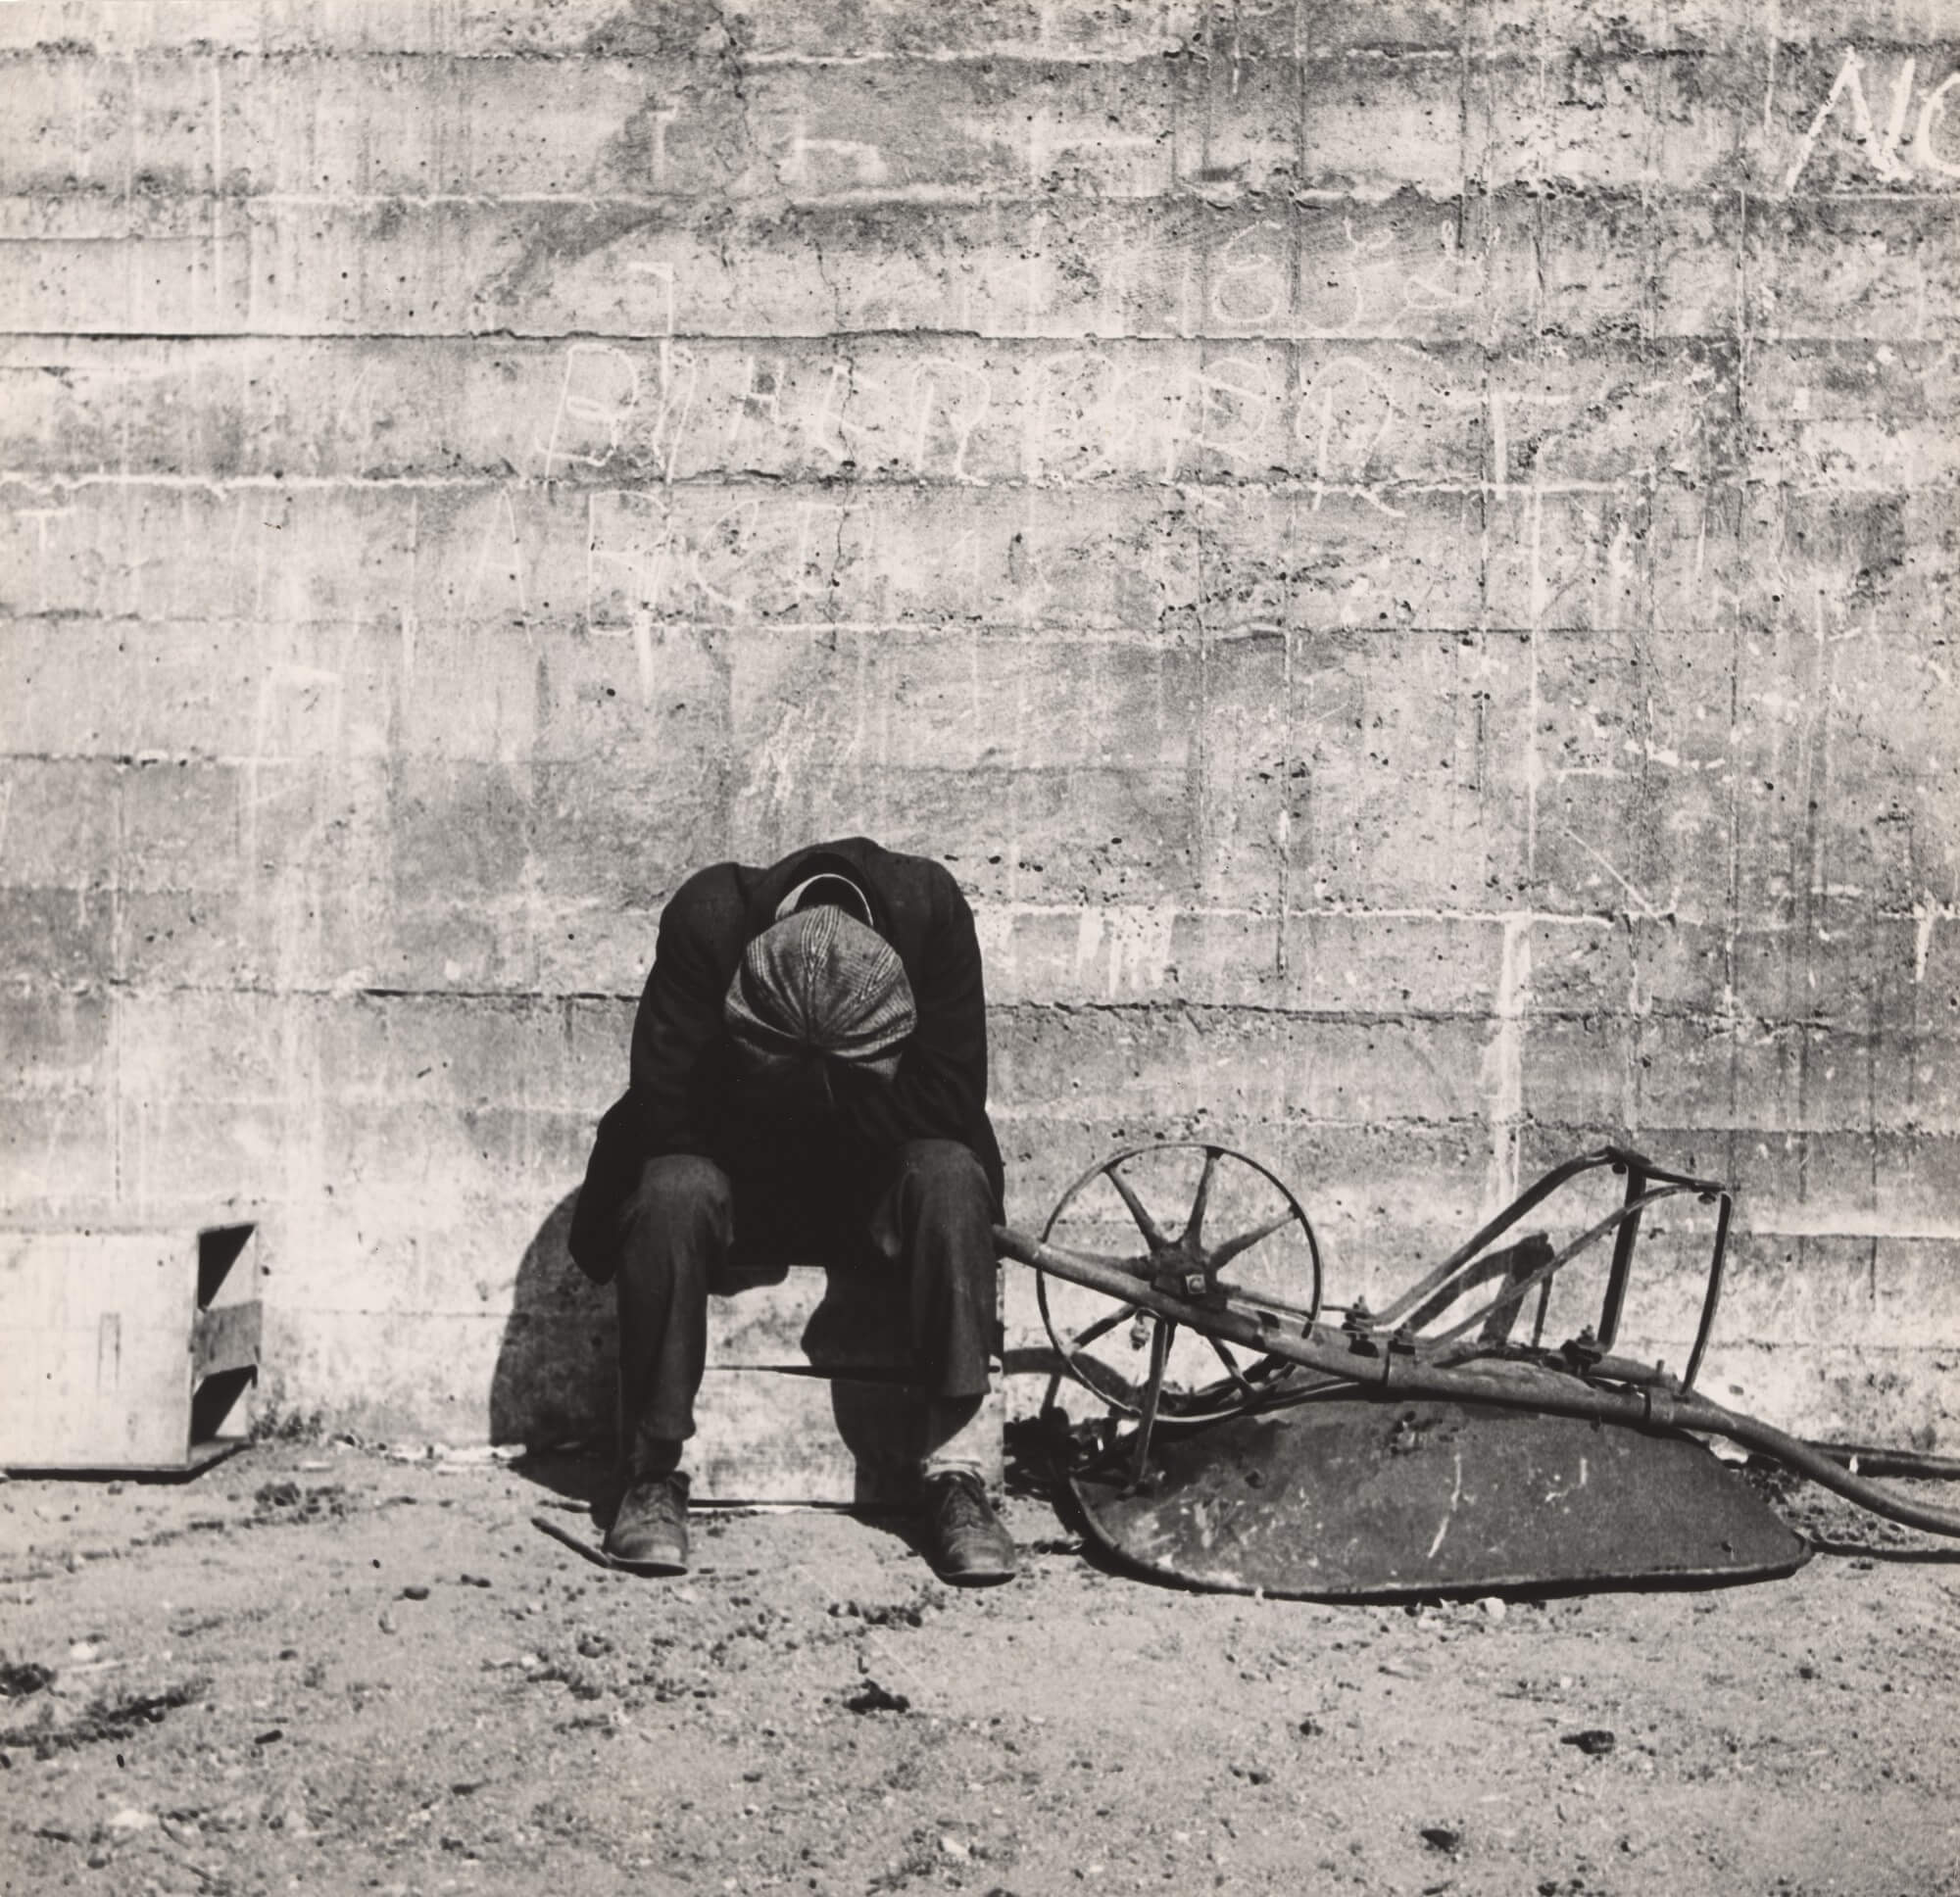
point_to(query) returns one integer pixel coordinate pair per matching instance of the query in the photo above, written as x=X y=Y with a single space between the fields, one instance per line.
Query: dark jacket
x=684 y=1093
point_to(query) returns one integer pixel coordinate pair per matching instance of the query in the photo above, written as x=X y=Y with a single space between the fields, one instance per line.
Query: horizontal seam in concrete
x=1592 y=47
x=1517 y=342
x=1634 y=352
x=1012 y=53
x=1595 y=919
x=1143 y=1005
x=1291 y=487
x=940 y=620
x=780 y=208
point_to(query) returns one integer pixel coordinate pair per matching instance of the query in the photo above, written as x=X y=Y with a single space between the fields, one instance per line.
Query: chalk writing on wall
x=1849 y=102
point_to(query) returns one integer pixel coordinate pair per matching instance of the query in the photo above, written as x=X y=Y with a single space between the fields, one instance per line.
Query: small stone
x=1593 y=1742
x=1442 y=1838
x=129 y=1818
x=1493 y=1608
x=414 y=1591
x=952 y=1848
x=19 y=1678
x=385 y=1621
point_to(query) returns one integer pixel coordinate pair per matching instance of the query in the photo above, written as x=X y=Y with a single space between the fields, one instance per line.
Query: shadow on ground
x=556 y=1383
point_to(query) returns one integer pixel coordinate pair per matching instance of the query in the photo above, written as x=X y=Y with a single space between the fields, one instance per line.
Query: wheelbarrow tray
x=1344 y=1498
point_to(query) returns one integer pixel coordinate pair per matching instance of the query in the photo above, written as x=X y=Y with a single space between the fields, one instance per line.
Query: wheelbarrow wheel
x=1138 y=1364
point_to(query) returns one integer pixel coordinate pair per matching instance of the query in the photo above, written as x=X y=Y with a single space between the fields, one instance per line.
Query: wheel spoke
x=1101 y=1327
x=1231 y=1364
x=1148 y=1226
x=1245 y=1241
x=1186 y=1392
x=1193 y=1226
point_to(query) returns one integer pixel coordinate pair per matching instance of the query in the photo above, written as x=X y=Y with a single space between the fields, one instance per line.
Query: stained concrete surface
x=318 y=1667
x=1403 y=555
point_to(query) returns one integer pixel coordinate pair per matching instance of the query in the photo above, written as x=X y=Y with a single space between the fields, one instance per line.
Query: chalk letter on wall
x=1850 y=84
x=598 y=393
x=1931 y=114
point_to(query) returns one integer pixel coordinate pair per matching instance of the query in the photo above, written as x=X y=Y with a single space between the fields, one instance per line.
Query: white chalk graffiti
x=810 y=161
x=600 y=390
x=1882 y=147
x=1932 y=113
x=658 y=122
x=642 y=562
x=960 y=391
x=1367 y=415
x=1252 y=289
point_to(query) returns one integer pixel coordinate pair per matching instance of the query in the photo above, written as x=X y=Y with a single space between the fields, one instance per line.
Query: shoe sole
x=976 y=1577
x=602 y=1556
x=651 y=1570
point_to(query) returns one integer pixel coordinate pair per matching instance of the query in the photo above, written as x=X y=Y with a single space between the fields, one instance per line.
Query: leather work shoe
x=649 y=1533
x=965 y=1539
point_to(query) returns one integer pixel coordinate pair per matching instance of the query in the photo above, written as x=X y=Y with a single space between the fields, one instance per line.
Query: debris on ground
x=294 y=1682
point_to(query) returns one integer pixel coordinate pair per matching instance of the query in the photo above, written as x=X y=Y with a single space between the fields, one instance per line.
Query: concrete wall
x=1401 y=552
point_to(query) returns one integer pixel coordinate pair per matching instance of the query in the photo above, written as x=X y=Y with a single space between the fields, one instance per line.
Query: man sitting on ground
x=809 y=1075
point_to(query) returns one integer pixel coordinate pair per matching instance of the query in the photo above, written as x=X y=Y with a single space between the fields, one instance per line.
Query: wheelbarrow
x=1253 y=1437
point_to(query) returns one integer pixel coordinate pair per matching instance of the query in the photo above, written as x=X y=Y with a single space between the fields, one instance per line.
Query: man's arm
x=680 y=1014
x=939 y=1092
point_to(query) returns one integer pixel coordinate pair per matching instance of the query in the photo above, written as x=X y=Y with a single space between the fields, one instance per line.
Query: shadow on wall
x=558 y=1367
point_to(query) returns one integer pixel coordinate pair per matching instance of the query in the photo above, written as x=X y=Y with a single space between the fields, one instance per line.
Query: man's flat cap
x=820 y=983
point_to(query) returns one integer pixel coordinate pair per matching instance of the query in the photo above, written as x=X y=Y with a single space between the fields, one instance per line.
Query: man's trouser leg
x=674 y=1235
x=936 y=1219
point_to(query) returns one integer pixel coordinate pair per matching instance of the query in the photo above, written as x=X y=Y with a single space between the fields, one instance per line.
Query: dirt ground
x=318 y=1668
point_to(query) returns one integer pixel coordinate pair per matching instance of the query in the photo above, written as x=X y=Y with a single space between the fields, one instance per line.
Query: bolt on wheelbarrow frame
x=1177 y=1282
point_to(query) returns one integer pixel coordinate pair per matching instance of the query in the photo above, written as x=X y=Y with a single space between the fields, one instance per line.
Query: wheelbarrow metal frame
x=1382 y=1357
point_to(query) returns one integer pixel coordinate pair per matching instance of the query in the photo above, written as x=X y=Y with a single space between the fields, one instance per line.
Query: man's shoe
x=649 y=1533
x=965 y=1539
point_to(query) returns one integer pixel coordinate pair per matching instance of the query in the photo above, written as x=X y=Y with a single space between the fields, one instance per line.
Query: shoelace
x=963 y=1505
